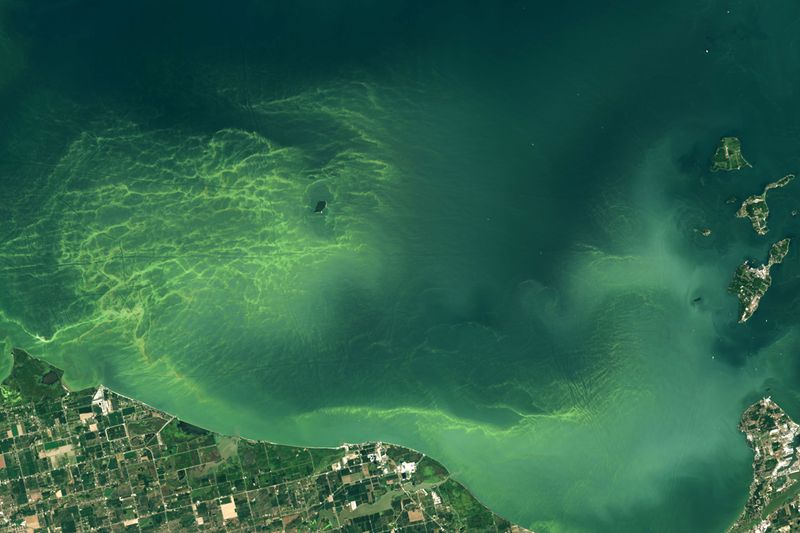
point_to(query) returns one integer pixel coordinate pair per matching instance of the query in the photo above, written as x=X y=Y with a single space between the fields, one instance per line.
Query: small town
x=774 y=502
x=94 y=460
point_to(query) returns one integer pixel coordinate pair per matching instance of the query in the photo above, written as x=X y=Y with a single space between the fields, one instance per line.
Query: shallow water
x=506 y=276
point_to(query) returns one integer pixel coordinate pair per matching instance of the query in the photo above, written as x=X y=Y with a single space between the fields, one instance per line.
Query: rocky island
x=774 y=501
x=94 y=460
x=728 y=155
x=751 y=283
x=755 y=207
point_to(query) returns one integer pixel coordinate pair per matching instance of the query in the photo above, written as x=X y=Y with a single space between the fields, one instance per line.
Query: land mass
x=94 y=460
x=774 y=502
x=750 y=283
x=755 y=207
x=728 y=155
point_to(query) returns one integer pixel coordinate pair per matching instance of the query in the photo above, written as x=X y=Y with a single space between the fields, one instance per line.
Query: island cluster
x=750 y=283
x=774 y=501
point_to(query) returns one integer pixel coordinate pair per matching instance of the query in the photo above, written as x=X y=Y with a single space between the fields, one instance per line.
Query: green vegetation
x=778 y=251
x=93 y=460
x=475 y=517
x=756 y=209
x=774 y=502
x=728 y=155
x=750 y=283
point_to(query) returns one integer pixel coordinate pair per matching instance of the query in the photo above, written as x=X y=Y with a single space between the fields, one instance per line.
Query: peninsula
x=755 y=207
x=751 y=283
x=94 y=460
x=774 y=502
x=728 y=155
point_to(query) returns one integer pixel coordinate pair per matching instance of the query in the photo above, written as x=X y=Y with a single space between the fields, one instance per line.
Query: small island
x=728 y=155
x=755 y=207
x=751 y=283
x=774 y=501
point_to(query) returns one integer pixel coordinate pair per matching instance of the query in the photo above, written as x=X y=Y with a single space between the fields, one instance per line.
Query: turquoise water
x=506 y=276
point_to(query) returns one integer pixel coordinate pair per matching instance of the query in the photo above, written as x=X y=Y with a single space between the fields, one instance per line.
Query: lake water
x=506 y=275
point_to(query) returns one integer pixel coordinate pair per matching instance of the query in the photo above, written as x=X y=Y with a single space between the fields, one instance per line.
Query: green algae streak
x=504 y=275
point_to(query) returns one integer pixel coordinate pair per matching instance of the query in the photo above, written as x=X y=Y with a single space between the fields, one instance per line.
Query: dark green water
x=506 y=272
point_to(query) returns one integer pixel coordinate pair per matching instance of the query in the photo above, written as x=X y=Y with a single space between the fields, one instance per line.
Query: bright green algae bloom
x=560 y=369
x=729 y=155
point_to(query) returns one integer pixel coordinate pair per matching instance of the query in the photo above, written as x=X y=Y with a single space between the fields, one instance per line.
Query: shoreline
x=173 y=418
